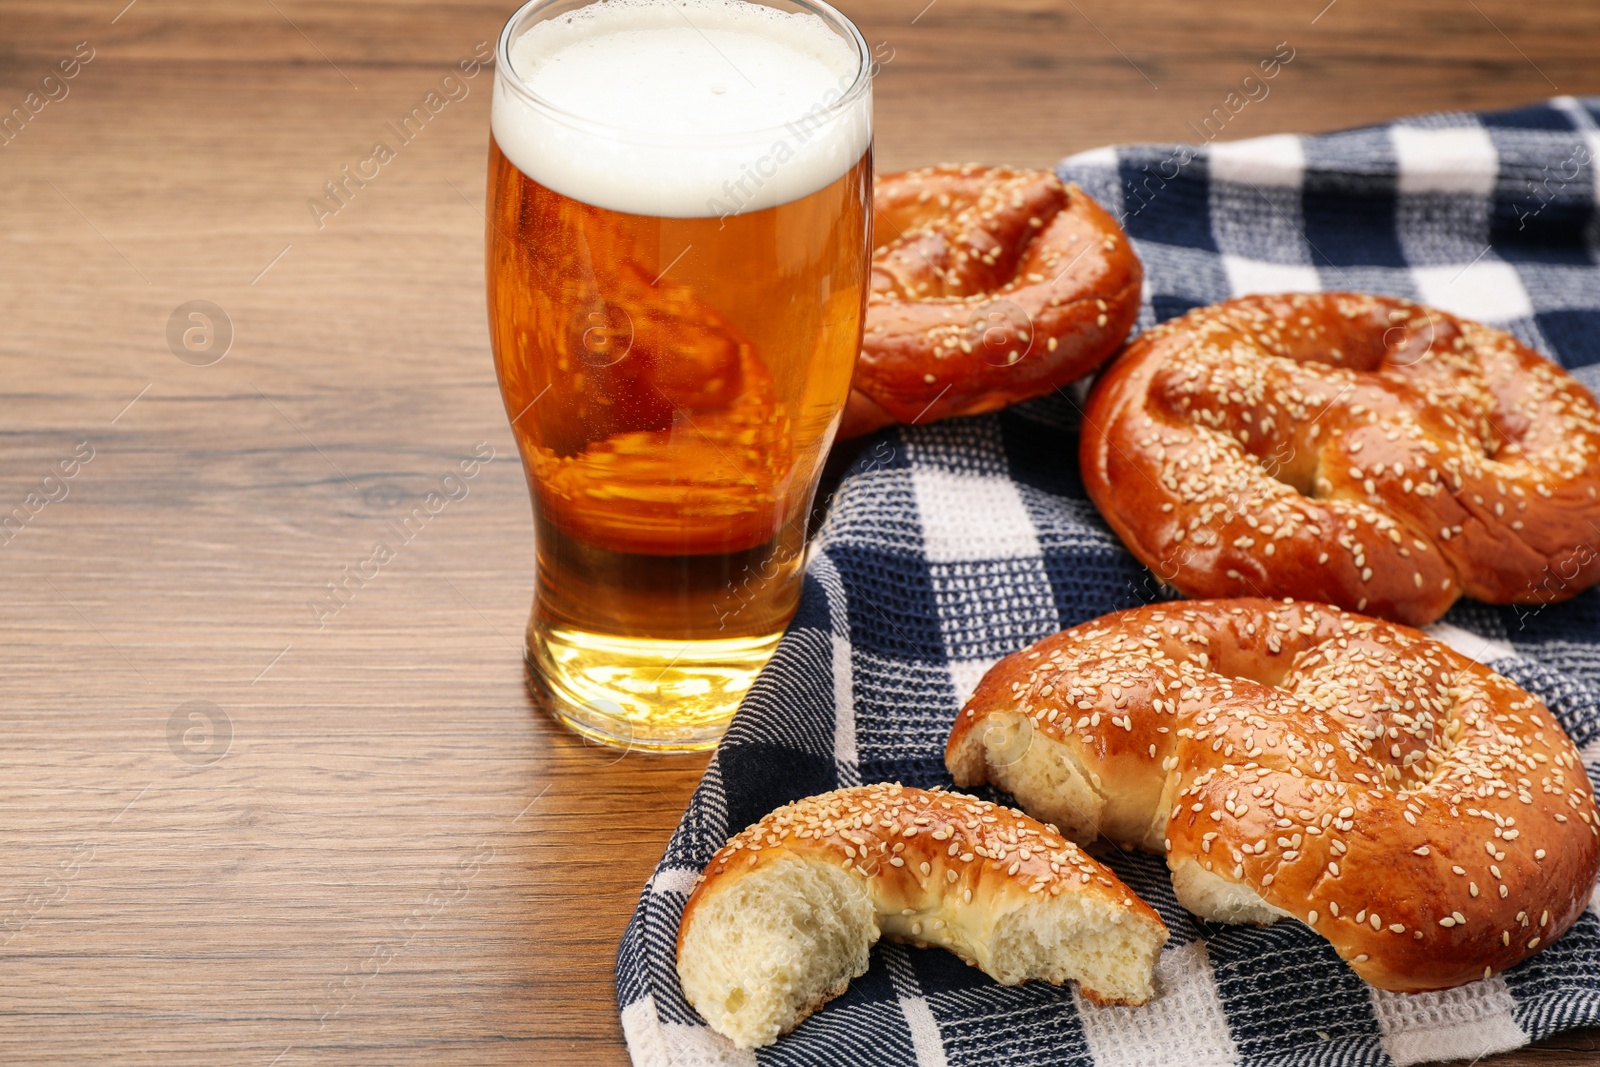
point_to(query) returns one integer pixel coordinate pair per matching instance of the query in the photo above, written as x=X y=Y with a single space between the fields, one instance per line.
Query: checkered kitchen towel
x=952 y=545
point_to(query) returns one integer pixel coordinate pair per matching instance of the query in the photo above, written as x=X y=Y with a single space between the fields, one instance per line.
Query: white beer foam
x=684 y=109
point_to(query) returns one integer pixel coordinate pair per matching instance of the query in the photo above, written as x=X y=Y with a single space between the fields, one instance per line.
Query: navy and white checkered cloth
x=952 y=545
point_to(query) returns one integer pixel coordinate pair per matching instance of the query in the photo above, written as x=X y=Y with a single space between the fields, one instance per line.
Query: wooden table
x=240 y=826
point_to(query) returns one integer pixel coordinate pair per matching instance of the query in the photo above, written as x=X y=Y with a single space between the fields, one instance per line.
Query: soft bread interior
x=774 y=946
x=1110 y=952
x=1210 y=896
x=1052 y=785
x=1051 y=790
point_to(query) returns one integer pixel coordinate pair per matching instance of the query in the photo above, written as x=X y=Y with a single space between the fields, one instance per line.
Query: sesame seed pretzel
x=925 y=867
x=1421 y=812
x=989 y=286
x=1357 y=450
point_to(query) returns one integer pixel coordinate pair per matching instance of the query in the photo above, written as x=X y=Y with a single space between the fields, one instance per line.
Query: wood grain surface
x=239 y=828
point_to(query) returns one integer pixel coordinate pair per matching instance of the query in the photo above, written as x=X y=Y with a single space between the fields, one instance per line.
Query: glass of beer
x=680 y=197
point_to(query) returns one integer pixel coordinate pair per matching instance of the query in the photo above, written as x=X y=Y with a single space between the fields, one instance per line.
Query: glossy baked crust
x=1423 y=813
x=1350 y=449
x=989 y=286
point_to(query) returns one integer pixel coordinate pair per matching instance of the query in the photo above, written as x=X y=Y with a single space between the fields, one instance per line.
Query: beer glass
x=680 y=197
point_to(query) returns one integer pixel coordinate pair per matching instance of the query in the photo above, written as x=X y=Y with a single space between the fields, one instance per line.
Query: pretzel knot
x=989 y=286
x=1421 y=812
x=1358 y=450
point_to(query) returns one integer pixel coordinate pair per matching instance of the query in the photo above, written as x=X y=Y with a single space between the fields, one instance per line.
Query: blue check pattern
x=949 y=546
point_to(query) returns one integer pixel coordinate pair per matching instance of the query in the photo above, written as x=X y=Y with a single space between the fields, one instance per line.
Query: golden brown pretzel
x=989 y=286
x=785 y=913
x=1358 y=450
x=1424 y=814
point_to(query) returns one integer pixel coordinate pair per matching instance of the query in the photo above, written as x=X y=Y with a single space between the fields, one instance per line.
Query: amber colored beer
x=674 y=385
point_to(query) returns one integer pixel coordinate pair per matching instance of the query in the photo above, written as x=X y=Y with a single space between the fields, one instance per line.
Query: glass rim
x=506 y=74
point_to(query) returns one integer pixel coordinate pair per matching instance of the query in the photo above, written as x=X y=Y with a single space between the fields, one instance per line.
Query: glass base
x=644 y=693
